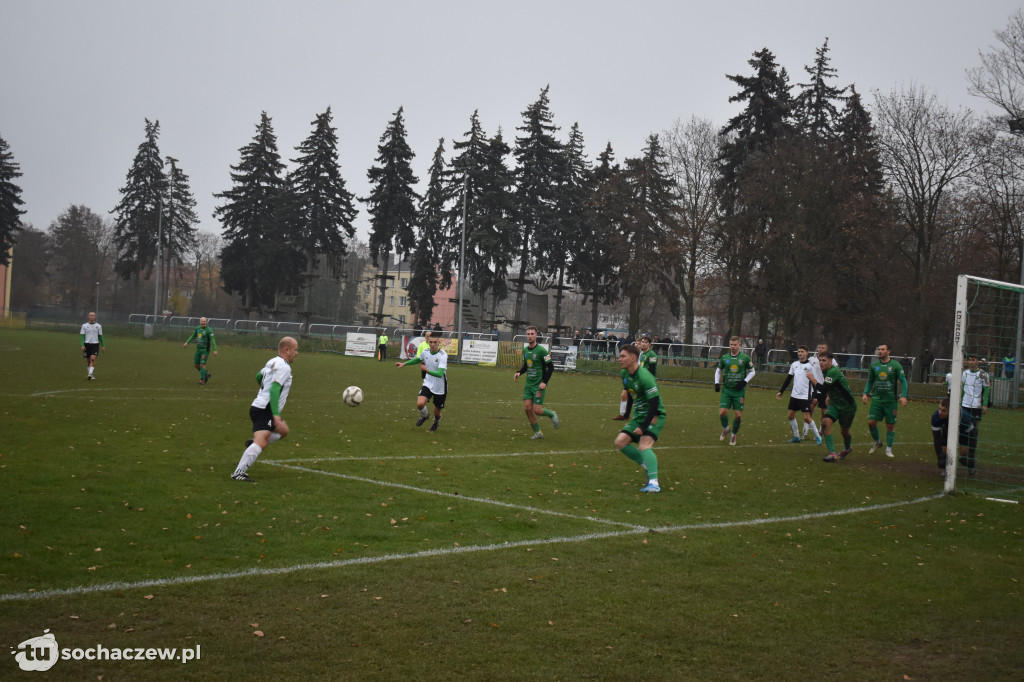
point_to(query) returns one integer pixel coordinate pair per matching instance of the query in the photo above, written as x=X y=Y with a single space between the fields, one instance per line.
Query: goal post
x=985 y=450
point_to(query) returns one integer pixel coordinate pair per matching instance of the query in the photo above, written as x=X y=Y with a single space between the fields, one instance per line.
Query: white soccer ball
x=352 y=396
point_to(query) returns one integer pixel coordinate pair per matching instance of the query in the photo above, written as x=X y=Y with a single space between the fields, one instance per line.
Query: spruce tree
x=425 y=259
x=10 y=200
x=137 y=217
x=815 y=106
x=392 y=202
x=573 y=189
x=259 y=259
x=649 y=222
x=179 y=221
x=750 y=138
x=538 y=173
x=319 y=206
x=595 y=267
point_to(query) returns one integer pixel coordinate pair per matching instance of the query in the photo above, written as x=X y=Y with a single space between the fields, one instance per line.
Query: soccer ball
x=352 y=396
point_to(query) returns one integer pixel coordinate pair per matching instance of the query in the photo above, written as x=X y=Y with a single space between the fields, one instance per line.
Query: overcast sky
x=79 y=77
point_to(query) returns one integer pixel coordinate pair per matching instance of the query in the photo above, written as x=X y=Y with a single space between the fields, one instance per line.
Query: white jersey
x=92 y=331
x=433 y=362
x=276 y=371
x=801 y=384
x=974 y=384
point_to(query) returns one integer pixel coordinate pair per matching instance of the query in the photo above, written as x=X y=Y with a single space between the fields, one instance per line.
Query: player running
x=538 y=368
x=841 y=405
x=205 y=342
x=735 y=371
x=91 y=338
x=888 y=383
x=435 y=380
x=637 y=438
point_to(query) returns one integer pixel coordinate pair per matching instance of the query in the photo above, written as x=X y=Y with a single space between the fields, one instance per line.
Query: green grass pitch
x=370 y=549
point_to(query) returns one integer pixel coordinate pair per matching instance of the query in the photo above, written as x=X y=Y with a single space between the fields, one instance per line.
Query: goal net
x=986 y=428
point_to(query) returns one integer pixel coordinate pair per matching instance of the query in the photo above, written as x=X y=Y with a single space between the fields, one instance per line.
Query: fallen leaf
x=258 y=633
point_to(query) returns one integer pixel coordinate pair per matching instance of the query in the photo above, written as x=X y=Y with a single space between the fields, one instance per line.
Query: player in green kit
x=735 y=371
x=889 y=384
x=538 y=368
x=637 y=438
x=648 y=360
x=842 y=407
x=204 y=344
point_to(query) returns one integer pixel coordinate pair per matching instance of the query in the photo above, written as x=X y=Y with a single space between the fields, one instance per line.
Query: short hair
x=645 y=336
x=887 y=346
x=533 y=328
x=287 y=342
x=631 y=349
x=801 y=347
x=733 y=338
x=944 y=403
x=822 y=343
x=427 y=334
x=827 y=354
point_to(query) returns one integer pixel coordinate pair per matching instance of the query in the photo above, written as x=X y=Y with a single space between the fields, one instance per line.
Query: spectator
x=760 y=352
x=1008 y=365
x=926 y=365
x=792 y=350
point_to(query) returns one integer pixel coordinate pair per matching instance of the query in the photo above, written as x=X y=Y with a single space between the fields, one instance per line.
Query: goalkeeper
x=205 y=342
x=735 y=371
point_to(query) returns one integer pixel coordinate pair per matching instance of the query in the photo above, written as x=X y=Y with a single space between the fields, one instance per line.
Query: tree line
x=810 y=214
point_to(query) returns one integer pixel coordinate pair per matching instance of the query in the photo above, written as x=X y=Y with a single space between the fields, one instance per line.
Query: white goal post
x=989 y=315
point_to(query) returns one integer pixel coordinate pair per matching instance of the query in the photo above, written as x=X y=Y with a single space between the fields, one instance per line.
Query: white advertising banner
x=361 y=345
x=480 y=351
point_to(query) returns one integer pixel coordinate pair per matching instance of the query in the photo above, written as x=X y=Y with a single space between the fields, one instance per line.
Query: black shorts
x=438 y=397
x=91 y=350
x=800 y=405
x=262 y=418
x=820 y=396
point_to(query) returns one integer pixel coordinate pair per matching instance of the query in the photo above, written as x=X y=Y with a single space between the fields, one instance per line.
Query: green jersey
x=888 y=381
x=649 y=361
x=204 y=339
x=534 y=360
x=643 y=388
x=839 y=394
x=733 y=369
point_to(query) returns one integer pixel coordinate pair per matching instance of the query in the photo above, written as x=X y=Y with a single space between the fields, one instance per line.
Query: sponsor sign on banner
x=361 y=345
x=480 y=351
x=411 y=343
x=563 y=357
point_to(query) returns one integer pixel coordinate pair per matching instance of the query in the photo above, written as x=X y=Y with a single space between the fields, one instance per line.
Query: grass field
x=373 y=550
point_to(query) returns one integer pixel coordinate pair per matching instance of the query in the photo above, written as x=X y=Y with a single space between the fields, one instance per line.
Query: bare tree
x=1000 y=78
x=204 y=252
x=691 y=151
x=926 y=151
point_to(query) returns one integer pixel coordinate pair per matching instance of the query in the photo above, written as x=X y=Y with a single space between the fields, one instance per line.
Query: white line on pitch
x=456 y=496
x=430 y=553
x=539 y=453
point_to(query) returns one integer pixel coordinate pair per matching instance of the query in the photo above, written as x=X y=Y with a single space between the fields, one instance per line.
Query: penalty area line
x=456 y=496
x=432 y=553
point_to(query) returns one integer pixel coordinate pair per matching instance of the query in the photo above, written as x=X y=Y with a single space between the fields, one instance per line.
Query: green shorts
x=883 y=411
x=654 y=430
x=731 y=400
x=200 y=357
x=843 y=415
x=530 y=393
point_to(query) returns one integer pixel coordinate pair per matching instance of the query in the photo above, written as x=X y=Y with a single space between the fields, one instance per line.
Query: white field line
x=539 y=453
x=456 y=496
x=447 y=551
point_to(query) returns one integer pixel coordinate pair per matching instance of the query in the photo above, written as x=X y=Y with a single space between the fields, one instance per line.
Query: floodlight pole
x=159 y=240
x=462 y=256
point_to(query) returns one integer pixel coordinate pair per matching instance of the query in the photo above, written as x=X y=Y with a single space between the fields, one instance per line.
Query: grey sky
x=79 y=77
